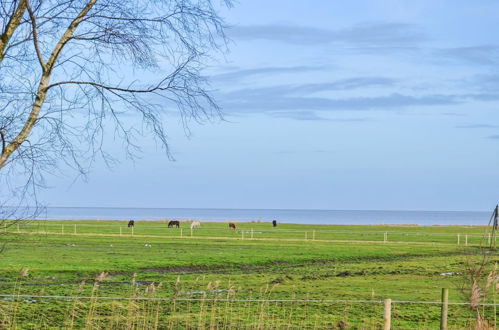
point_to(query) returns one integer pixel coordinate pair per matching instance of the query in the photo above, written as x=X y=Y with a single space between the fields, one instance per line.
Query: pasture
x=254 y=272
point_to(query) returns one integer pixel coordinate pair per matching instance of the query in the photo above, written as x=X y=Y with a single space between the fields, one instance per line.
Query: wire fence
x=336 y=301
x=149 y=312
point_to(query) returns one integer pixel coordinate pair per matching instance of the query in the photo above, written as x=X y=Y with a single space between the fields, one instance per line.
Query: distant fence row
x=247 y=232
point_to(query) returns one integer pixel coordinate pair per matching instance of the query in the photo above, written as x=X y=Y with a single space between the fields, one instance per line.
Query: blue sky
x=331 y=105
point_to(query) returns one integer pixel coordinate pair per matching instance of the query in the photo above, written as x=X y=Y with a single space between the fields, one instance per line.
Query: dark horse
x=232 y=225
x=274 y=223
x=131 y=223
x=174 y=223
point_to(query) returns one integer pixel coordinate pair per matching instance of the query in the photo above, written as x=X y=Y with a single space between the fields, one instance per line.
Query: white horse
x=195 y=224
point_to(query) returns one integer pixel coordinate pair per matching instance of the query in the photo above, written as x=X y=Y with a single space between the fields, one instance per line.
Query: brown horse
x=232 y=225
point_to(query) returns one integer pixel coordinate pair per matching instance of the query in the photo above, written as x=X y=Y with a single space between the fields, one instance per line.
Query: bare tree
x=74 y=73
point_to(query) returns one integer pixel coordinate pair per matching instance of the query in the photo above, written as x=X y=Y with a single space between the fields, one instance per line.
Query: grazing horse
x=232 y=225
x=131 y=223
x=174 y=223
x=274 y=223
x=195 y=224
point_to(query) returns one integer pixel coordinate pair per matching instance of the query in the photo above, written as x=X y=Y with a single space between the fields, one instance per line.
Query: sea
x=340 y=217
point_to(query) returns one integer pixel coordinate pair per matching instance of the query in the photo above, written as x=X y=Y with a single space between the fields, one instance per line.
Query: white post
x=181 y=234
x=458 y=239
x=251 y=233
x=488 y=240
x=313 y=235
x=466 y=240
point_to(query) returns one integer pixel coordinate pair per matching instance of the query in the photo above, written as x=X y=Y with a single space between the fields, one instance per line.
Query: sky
x=361 y=105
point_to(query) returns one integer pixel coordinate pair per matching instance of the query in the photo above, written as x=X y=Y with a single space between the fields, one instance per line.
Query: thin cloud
x=371 y=34
x=483 y=82
x=298 y=115
x=246 y=73
x=307 y=89
x=483 y=55
x=478 y=126
x=392 y=101
x=299 y=98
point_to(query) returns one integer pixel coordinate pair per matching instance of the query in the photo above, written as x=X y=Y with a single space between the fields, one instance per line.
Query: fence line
x=82 y=225
x=332 y=301
x=235 y=238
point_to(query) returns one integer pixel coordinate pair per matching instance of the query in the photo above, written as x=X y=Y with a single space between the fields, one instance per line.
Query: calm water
x=290 y=216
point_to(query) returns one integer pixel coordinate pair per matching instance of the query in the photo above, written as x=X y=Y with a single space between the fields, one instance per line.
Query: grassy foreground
x=301 y=262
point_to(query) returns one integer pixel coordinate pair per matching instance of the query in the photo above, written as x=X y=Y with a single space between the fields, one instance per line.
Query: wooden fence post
x=305 y=235
x=181 y=233
x=466 y=240
x=488 y=241
x=385 y=237
x=458 y=239
x=445 y=309
x=387 y=316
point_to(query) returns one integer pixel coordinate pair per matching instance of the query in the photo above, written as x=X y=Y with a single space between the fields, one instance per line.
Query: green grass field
x=256 y=261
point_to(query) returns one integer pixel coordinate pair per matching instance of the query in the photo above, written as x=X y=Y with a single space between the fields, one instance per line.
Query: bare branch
x=35 y=37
